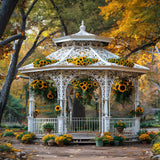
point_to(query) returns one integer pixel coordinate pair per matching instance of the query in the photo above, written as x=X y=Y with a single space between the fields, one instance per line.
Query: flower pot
x=116 y=143
x=35 y=114
x=51 y=142
x=99 y=143
x=107 y=144
x=144 y=142
x=48 y=130
x=61 y=144
x=138 y=115
x=120 y=129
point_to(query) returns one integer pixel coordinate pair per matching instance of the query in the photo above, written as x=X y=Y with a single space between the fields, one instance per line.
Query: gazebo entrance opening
x=83 y=109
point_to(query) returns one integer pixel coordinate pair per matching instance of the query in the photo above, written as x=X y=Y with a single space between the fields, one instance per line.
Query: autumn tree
x=136 y=32
x=47 y=17
x=136 y=24
x=25 y=8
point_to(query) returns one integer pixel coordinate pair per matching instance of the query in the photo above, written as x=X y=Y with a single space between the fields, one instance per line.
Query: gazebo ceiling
x=82 y=44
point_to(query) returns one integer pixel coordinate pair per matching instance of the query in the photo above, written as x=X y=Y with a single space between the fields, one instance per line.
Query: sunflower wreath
x=121 y=61
x=122 y=90
x=84 y=89
x=45 y=89
x=43 y=61
x=83 y=61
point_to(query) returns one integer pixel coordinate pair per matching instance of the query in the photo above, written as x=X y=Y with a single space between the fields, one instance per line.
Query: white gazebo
x=62 y=72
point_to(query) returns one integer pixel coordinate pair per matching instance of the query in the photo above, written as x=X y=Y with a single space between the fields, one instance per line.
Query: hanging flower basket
x=48 y=130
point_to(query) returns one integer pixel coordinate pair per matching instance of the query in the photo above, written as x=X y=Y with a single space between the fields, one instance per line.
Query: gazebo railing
x=38 y=129
x=130 y=125
x=83 y=124
x=86 y=125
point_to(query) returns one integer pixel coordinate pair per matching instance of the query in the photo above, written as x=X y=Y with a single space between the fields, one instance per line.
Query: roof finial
x=82 y=27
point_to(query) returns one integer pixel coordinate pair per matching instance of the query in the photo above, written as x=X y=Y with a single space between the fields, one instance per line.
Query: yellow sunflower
x=40 y=86
x=84 y=82
x=90 y=85
x=35 y=81
x=81 y=59
x=84 y=87
x=74 y=81
x=122 y=87
x=77 y=95
x=33 y=86
x=45 y=85
x=57 y=108
x=49 y=95
x=41 y=62
x=81 y=84
x=95 y=84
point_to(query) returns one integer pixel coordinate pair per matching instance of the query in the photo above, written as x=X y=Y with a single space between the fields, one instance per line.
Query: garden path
x=86 y=152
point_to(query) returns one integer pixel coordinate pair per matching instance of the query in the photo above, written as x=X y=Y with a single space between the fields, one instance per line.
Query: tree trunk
x=6 y=11
x=4 y=92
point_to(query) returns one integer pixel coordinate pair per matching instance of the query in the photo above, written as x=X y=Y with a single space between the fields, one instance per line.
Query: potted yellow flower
x=145 y=138
x=47 y=126
x=118 y=139
x=120 y=126
x=60 y=140
x=107 y=140
x=49 y=137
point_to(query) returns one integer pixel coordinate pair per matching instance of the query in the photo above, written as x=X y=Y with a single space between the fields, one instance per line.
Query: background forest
x=134 y=25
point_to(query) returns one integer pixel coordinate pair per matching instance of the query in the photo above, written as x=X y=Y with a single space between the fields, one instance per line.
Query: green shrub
x=28 y=138
x=47 y=137
x=25 y=128
x=16 y=126
x=8 y=133
x=5 y=148
x=141 y=132
x=19 y=136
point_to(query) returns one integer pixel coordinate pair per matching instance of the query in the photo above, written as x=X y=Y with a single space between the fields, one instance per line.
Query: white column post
x=60 y=118
x=65 y=116
x=136 y=93
x=137 y=119
x=137 y=125
x=60 y=125
x=106 y=110
x=31 y=110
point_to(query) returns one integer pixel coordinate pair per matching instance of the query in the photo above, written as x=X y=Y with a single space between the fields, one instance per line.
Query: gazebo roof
x=79 y=45
x=82 y=35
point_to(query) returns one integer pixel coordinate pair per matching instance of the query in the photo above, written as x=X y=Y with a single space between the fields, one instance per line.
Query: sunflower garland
x=44 y=89
x=84 y=89
x=42 y=62
x=122 y=90
x=121 y=61
x=83 y=61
